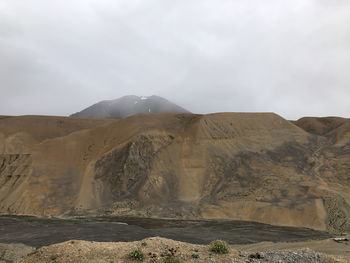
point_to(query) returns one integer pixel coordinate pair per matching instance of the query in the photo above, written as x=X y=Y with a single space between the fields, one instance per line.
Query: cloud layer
x=289 y=57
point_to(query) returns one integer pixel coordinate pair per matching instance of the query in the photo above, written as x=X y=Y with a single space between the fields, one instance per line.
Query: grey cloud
x=290 y=57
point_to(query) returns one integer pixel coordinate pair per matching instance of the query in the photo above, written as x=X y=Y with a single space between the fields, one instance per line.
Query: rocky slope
x=243 y=166
x=129 y=105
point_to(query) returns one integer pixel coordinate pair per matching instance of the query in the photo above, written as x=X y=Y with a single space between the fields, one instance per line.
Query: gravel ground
x=288 y=256
x=13 y=252
x=157 y=250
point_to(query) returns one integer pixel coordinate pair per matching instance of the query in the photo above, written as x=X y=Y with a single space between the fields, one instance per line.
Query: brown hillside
x=244 y=166
x=334 y=128
x=44 y=127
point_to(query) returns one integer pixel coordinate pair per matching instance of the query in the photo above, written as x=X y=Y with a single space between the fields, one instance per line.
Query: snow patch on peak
x=143 y=98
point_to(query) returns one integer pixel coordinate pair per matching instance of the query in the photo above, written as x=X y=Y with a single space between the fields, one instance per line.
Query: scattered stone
x=256 y=255
x=288 y=256
x=341 y=239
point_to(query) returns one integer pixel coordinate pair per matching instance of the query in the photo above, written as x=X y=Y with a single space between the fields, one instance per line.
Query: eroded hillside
x=243 y=166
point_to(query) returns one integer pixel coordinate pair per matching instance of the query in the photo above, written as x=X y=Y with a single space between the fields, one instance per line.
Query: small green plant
x=72 y=242
x=136 y=254
x=144 y=244
x=194 y=255
x=171 y=259
x=219 y=247
x=53 y=257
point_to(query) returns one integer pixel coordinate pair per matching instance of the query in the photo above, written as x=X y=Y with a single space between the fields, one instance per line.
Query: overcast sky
x=289 y=57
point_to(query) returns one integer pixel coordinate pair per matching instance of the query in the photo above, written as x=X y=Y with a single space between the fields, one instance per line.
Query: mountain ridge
x=129 y=105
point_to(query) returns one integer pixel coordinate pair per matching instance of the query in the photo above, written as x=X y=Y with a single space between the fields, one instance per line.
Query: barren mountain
x=129 y=105
x=244 y=166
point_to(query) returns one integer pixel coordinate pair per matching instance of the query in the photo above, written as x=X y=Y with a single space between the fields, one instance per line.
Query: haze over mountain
x=282 y=56
x=129 y=105
x=244 y=166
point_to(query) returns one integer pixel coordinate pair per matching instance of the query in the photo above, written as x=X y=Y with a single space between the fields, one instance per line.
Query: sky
x=58 y=57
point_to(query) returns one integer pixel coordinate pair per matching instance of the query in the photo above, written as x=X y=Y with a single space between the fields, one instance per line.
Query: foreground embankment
x=163 y=250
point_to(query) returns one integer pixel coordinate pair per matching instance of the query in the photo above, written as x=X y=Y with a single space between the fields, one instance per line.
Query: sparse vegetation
x=219 y=247
x=160 y=250
x=53 y=257
x=136 y=254
x=171 y=259
x=194 y=255
x=144 y=244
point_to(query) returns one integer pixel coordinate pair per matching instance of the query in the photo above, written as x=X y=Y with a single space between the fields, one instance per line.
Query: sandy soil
x=327 y=246
x=158 y=249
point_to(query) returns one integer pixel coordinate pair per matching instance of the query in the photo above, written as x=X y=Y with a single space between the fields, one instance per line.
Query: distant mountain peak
x=129 y=105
